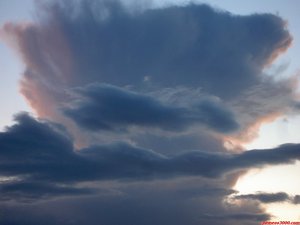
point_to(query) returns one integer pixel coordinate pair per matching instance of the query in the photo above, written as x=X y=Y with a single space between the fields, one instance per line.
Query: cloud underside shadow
x=42 y=151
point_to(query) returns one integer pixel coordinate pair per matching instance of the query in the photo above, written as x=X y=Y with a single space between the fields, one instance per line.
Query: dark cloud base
x=187 y=201
x=42 y=151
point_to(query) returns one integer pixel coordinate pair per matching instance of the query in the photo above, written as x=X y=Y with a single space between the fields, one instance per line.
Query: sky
x=149 y=112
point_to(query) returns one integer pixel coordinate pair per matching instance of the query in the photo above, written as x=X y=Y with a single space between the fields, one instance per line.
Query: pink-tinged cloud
x=48 y=63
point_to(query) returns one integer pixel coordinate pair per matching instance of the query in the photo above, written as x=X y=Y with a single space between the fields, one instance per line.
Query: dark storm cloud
x=195 y=47
x=39 y=151
x=24 y=139
x=190 y=45
x=106 y=107
x=83 y=42
x=146 y=203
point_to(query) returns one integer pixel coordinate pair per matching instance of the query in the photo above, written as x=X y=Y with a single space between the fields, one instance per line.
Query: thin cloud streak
x=270 y=197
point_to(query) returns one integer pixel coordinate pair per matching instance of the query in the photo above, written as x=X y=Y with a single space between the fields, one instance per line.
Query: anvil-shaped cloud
x=149 y=96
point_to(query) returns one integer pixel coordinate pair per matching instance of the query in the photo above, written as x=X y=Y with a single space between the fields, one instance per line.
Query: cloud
x=261 y=104
x=176 y=144
x=296 y=199
x=266 y=197
x=146 y=49
x=23 y=191
x=178 y=79
x=29 y=140
x=106 y=107
x=41 y=151
x=154 y=43
x=270 y=197
x=162 y=202
x=102 y=41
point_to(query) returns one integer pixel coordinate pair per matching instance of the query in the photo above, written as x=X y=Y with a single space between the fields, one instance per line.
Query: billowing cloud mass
x=101 y=41
x=105 y=107
x=40 y=162
x=141 y=113
x=34 y=150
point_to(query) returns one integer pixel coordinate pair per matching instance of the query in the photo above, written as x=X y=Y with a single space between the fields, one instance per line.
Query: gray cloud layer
x=34 y=151
x=41 y=163
x=159 y=203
